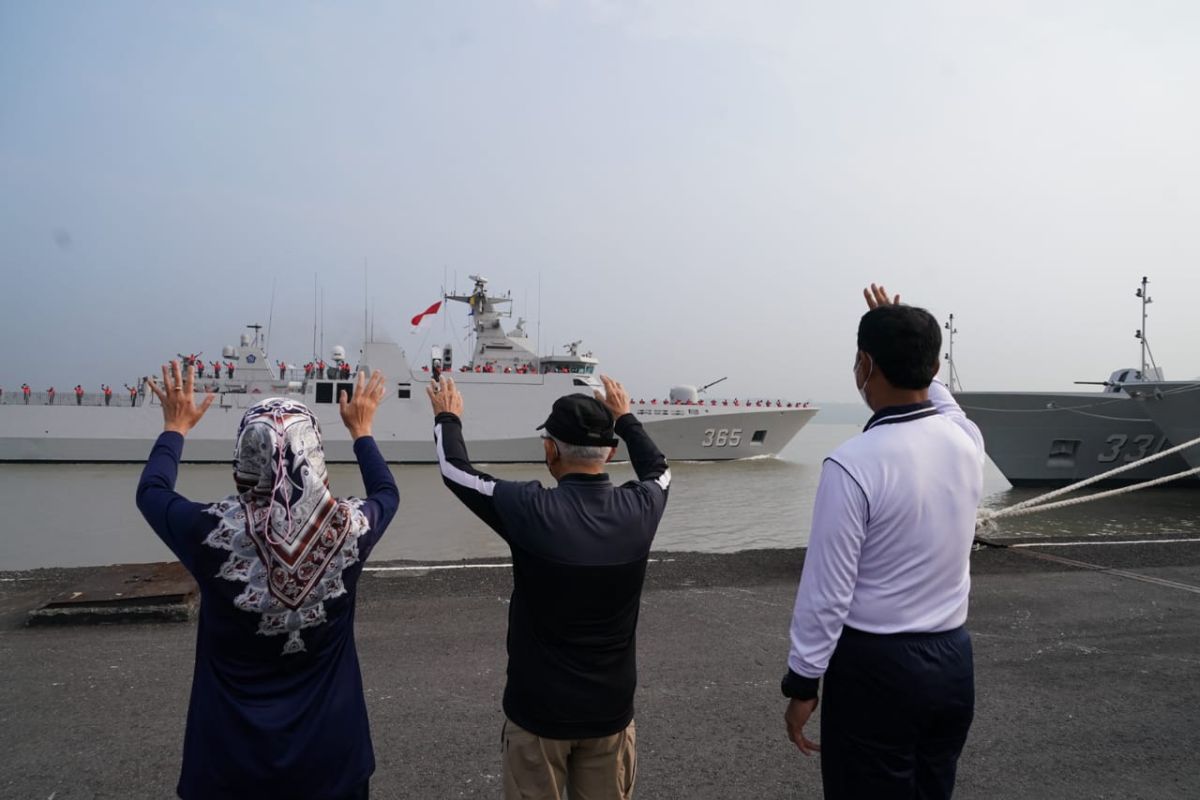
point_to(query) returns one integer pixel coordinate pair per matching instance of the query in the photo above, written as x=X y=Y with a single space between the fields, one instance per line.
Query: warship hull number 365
x=507 y=386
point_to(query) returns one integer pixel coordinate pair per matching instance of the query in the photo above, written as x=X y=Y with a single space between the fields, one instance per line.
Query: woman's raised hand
x=358 y=412
x=178 y=398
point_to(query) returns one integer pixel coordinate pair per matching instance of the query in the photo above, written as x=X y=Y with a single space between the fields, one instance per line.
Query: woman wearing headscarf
x=277 y=705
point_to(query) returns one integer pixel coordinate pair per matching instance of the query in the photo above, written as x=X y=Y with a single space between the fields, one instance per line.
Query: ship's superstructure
x=507 y=387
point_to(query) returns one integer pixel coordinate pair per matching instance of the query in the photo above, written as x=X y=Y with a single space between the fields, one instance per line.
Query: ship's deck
x=1088 y=681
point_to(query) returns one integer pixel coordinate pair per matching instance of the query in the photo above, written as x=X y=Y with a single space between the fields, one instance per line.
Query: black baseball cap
x=582 y=420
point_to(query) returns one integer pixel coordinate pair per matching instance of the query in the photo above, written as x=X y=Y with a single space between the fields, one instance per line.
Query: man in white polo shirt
x=883 y=596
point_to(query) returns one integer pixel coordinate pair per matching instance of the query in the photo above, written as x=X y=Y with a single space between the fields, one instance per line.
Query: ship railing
x=723 y=403
x=67 y=398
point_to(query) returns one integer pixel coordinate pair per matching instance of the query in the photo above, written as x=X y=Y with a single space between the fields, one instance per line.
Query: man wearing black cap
x=579 y=557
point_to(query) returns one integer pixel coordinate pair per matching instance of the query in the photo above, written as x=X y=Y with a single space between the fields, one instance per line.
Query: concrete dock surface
x=1087 y=668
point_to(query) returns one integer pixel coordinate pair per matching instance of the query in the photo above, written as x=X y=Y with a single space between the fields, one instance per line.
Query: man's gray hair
x=580 y=453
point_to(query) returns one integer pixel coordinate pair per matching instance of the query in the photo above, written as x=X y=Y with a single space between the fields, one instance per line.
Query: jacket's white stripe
x=473 y=482
x=664 y=480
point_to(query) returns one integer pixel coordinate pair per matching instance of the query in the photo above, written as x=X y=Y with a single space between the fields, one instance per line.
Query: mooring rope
x=1041 y=502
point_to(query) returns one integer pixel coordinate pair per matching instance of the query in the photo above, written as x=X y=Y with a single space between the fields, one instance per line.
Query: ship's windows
x=1062 y=453
x=580 y=382
x=348 y=388
x=404 y=391
x=324 y=392
x=759 y=437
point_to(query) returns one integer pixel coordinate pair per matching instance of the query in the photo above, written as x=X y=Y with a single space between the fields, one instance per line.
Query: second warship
x=507 y=386
x=1057 y=438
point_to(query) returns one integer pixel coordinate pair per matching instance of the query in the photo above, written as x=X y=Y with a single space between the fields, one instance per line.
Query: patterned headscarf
x=290 y=539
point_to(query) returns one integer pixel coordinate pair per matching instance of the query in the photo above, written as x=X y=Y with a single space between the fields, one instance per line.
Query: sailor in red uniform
x=132 y=395
x=107 y=393
x=25 y=390
x=78 y=395
x=229 y=368
x=50 y=394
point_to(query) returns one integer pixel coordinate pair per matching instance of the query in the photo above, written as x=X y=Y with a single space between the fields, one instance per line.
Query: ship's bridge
x=572 y=362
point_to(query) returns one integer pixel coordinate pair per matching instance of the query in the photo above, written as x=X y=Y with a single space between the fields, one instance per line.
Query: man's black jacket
x=579 y=557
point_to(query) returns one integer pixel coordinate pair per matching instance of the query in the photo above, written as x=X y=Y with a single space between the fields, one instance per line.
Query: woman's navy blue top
x=262 y=723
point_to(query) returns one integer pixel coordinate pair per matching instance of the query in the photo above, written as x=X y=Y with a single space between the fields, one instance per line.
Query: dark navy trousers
x=895 y=711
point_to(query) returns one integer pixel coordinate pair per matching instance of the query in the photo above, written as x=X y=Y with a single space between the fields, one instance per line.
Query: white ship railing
x=67 y=398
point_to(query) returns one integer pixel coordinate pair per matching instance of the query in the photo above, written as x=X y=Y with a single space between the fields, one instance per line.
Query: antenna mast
x=1144 y=294
x=270 y=316
x=955 y=383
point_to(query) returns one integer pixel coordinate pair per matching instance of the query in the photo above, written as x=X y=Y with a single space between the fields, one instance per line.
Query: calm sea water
x=84 y=515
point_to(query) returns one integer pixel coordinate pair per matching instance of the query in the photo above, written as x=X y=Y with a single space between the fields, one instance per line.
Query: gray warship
x=508 y=389
x=1057 y=438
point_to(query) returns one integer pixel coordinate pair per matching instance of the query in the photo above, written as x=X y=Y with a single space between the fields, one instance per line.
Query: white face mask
x=862 y=390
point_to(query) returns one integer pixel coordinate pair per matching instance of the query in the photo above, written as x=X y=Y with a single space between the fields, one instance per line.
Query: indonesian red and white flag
x=429 y=312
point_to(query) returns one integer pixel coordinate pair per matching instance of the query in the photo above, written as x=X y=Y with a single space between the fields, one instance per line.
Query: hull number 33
x=722 y=437
x=1134 y=449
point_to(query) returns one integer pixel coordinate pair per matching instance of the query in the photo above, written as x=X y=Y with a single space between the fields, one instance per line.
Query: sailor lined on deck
x=277 y=705
x=579 y=559
x=883 y=597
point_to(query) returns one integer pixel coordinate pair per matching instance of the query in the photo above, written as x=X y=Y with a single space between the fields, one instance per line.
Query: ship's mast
x=486 y=316
x=1144 y=294
x=955 y=384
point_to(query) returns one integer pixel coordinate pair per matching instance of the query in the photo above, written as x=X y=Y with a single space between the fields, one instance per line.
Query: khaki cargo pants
x=603 y=768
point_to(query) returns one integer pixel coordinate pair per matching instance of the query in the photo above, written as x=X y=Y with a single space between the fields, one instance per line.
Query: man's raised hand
x=614 y=397
x=358 y=412
x=178 y=398
x=444 y=397
x=877 y=296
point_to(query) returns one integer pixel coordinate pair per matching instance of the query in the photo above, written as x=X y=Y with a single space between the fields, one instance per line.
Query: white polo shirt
x=893 y=525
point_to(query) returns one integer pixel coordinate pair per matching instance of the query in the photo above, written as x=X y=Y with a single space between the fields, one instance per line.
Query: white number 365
x=722 y=437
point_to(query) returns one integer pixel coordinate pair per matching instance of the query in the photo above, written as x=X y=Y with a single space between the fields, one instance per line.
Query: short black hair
x=905 y=342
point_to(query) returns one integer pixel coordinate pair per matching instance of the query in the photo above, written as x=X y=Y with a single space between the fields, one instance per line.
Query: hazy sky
x=702 y=187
